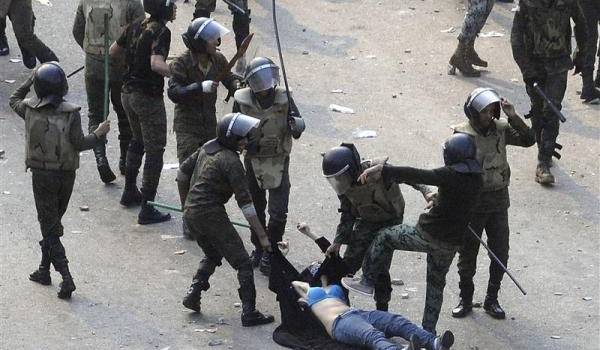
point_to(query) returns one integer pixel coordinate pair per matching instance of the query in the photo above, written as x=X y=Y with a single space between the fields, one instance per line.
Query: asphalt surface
x=389 y=58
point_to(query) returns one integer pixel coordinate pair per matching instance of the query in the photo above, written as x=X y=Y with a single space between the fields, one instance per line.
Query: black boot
x=42 y=274
x=463 y=308
x=152 y=169
x=124 y=146
x=589 y=92
x=106 y=174
x=251 y=316
x=256 y=257
x=193 y=296
x=59 y=259
x=150 y=215
x=381 y=305
x=67 y=287
x=443 y=342
x=265 y=264
x=493 y=308
x=29 y=59
x=131 y=195
x=465 y=305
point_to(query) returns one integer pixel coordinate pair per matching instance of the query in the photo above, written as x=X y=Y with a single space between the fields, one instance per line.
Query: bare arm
x=158 y=65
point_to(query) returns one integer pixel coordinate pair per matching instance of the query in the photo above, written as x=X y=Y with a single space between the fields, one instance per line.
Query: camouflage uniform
x=215 y=174
x=195 y=120
x=88 y=31
x=475 y=18
x=143 y=102
x=241 y=23
x=267 y=165
x=363 y=214
x=54 y=140
x=541 y=46
x=439 y=232
x=21 y=15
x=491 y=212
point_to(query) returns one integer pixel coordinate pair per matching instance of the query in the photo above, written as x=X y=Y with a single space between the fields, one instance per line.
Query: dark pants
x=241 y=23
x=408 y=238
x=52 y=191
x=277 y=204
x=148 y=122
x=21 y=15
x=188 y=143
x=218 y=239
x=94 y=86
x=496 y=229
x=591 y=10
x=362 y=236
x=543 y=121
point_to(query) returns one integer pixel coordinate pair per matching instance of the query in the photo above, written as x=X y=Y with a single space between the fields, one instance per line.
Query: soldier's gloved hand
x=333 y=250
x=194 y=88
x=102 y=129
x=209 y=86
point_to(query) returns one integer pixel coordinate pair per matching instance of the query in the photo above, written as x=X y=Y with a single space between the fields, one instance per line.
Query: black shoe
x=256 y=318
x=4 y=50
x=265 y=264
x=67 y=287
x=131 y=197
x=462 y=309
x=150 y=215
x=106 y=174
x=192 y=300
x=255 y=257
x=381 y=306
x=444 y=342
x=41 y=276
x=493 y=308
x=29 y=60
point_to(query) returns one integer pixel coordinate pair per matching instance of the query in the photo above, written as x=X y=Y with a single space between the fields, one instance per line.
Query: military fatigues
x=88 y=31
x=491 y=212
x=241 y=23
x=21 y=15
x=54 y=140
x=365 y=209
x=439 y=232
x=215 y=174
x=541 y=45
x=195 y=116
x=267 y=162
x=477 y=14
x=143 y=102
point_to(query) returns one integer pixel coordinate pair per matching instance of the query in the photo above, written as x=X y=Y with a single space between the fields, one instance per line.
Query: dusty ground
x=389 y=58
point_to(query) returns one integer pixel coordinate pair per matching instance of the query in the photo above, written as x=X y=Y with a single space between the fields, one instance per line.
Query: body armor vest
x=269 y=162
x=94 y=10
x=49 y=145
x=374 y=201
x=549 y=28
x=491 y=153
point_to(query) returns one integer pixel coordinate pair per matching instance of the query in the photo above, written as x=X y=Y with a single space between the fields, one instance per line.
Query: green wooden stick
x=177 y=209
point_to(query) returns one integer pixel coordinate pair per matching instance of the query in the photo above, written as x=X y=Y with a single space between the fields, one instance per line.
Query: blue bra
x=316 y=294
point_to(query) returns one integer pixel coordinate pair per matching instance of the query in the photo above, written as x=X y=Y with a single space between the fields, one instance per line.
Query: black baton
x=555 y=110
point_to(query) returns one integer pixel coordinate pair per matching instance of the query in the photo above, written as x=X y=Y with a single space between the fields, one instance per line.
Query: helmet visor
x=241 y=124
x=210 y=30
x=484 y=98
x=263 y=77
x=340 y=181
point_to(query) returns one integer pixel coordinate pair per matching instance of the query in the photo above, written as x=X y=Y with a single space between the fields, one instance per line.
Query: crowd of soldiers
x=472 y=186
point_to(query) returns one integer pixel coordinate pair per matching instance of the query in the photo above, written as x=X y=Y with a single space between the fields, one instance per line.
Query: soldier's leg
x=57 y=253
x=22 y=18
x=278 y=202
x=94 y=87
x=467 y=264
x=477 y=20
x=204 y=8
x=474 y=19
x=241 y=22
x=135 y=152
x=187 y=144
x=438 y=264
x=497 y=231
x=4 y=50
x=125 y=134
x=259 y=198
x=153 y=122
x=589 y=91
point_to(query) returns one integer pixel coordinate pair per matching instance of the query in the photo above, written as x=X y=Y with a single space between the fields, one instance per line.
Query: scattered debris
x=364 y=134
x=84 y=208
x=207 y=330
x=337 y=91
x=76 y=232
x=340 y=109
x=165 y=237
x=394 y=96
x=215 y=342
x=15 y=60
x=491 y=34
x=171 y=271
x=449 y=30
x=171 y=166
x=49 y=4
x=10 y=81
x=305 y=52
x=237 y=304
x=555 y=337
x=436 y=10
x=222 y=321
x=514 y=80
x=371 y=57
x=587 y=298
x=558 y=293
x=397 y=282
x=2 y=154
x=180 y=252
x=352 y=58
x=404 y=295
x=407 y=51
x=6 y=192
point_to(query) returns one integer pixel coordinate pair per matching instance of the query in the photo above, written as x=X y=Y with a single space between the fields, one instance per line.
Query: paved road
x=389 y=58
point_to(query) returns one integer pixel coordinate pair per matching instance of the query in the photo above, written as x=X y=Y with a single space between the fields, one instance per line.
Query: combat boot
x=265 y=264
x=493 y=308
x=4 y=50
x=67 y=287
x=460 y=61
x=194 y=294
x=150 y=215
x=463 y=308
x=473 y=57
x=443 y=342
x=106 y=174
x=589 y=92
x=382 y=305
x=543 y=176
x=42 y=274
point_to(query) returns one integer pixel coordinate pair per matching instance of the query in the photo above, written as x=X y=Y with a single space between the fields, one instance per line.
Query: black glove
x=178 y=93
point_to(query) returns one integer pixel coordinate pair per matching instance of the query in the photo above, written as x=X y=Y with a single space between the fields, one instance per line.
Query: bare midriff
x=327 y=310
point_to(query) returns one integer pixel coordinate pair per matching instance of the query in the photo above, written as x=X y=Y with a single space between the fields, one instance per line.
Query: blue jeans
x=372 y=328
